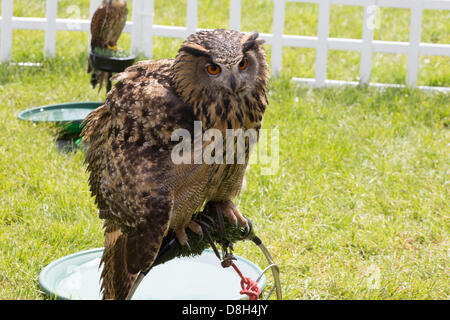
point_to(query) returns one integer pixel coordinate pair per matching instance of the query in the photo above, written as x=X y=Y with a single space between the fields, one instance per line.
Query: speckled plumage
x=141 y=194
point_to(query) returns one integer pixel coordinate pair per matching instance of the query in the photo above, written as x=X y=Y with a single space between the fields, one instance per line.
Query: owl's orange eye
x=243 y=64
x=213 y=69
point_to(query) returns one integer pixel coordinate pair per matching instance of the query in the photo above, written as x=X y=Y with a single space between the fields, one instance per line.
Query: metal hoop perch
x=172 y=247
x=272 y=265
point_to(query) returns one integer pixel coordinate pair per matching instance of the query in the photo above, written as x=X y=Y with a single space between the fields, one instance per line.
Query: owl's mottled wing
x=129 y=160
x=97 y=24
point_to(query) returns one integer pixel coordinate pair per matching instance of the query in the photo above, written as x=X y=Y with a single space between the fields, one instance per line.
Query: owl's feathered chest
x=236 y=122
x=231 y=112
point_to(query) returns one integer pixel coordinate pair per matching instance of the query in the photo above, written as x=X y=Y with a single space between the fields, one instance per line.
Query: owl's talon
x=232 y=213
x=196 y=228
x=181 y=236
x=248 y=230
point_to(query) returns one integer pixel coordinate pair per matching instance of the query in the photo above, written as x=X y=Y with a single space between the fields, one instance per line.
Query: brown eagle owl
x=107 y=25
x=218 y=80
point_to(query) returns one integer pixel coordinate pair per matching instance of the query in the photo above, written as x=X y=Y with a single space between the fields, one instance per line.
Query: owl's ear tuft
x=251 y=41
x=194 y=49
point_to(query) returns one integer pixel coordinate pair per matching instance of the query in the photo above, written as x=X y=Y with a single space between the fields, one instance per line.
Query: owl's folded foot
x=232 y=213
x=196 y=228
x=181 y=235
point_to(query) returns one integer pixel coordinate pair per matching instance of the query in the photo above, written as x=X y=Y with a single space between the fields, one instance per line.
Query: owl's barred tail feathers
x=126 y=255
x=117 y=281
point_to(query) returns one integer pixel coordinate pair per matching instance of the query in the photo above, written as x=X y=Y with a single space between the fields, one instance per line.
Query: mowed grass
x=359 y=208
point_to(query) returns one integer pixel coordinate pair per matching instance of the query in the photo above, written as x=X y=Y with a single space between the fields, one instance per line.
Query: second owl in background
x=107 y=25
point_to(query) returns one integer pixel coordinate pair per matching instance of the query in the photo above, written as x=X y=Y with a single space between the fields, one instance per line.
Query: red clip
x=249 y=287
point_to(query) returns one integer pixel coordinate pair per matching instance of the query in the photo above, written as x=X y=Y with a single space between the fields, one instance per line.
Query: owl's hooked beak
x=234 y=85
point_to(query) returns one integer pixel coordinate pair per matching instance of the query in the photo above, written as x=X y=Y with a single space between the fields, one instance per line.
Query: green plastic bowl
x=77 y=277
x=69 y=116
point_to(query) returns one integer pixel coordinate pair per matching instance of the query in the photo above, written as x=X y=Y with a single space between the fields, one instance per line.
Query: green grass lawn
x=359 y=208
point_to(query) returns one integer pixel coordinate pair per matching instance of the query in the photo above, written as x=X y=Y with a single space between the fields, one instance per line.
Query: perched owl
x=217 y=79
x=107 y=25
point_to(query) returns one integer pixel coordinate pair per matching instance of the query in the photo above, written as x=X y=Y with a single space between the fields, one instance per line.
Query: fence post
x=322 y=46
x=147 y=25
x=191 y=17
x=414 y=42
x=136 y=30
x=93 y=5
x=50 y=29
x=6 y=34
x=365 y=68
x=235 y=15
x=278 y=30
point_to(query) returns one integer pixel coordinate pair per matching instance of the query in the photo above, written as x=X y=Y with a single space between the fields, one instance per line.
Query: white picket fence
x=143 y=30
